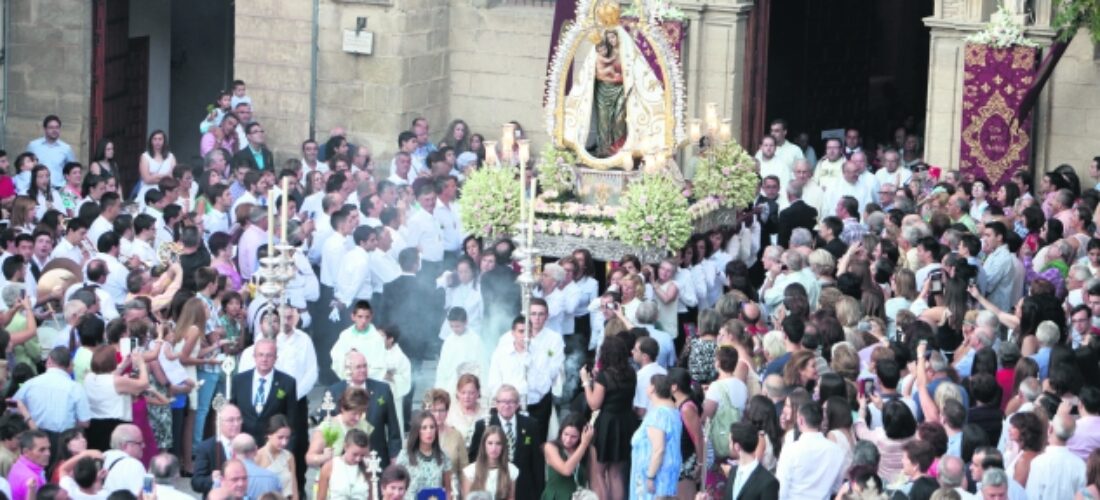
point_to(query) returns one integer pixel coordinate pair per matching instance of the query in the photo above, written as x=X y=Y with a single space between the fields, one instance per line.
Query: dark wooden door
x=120 y=80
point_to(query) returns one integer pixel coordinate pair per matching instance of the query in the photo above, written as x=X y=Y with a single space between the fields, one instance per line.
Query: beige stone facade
x=1067 y=118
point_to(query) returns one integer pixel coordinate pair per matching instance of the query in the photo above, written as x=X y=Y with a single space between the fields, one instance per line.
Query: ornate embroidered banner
x=673 y=29
x=994 y=81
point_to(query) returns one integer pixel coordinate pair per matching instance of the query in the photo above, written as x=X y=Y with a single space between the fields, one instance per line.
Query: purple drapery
x=1054 y=54
x=995 y=144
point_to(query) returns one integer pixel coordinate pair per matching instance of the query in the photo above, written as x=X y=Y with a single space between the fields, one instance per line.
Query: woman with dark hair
x=472 y=248
x=222 y=261
x=457 y=137
x=691 y=442
x=110 y=393
x=761 y=413
x=1006 y=198
x=831 y=385
x=477 y=145
x=564 y=456
x=898 y=427
x=345 y=478
x=275 y=456
x=1026 y=431
x=612 y=394
x=352 y=407
x=655 y=453
x=103 y=161
x=948 y=313
x=156 y=163
x=801 y=371
x=70 y=443
x=788 y=417
x=428 y=466
x=42 y=192
x=837 y=425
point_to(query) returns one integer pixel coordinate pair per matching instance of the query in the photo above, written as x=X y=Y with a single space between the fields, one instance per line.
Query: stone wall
x=48 y=59
x=1071 y=112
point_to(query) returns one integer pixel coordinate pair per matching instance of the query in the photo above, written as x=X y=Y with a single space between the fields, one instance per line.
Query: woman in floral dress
x=428 y=466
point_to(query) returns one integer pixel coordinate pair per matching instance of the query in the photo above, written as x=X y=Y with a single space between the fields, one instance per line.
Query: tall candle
x=507 y=139
x=712 y=117
x=524 y=151
x=285 y=207
x=628 y=161
x=522 y=195
x=725 y=130
x=696 y=130
x=270 y=221
x=491 y=153
x=531 y=219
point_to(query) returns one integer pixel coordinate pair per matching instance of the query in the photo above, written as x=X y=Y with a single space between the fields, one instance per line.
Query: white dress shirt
x=810 y=467
x=645 y=375
x=572 y=305
x=98 y=227
x=451 y=222
x=1055 y=474
x=383 y=269
x=311 y=205
x=398 y=244
x=458 y=350
x=298 y=359
x=555 y=305
x=353 y=279
x=370 y=343
x=67 y=250
x=332 y=250
x=215 y=221
x=144 y=252
x=775 y=166
x=423 y=231
x=116 y=277
x=467 y=297
x=268 y=379
x=304 y=286
x=841 y=188
x=543 y=362
x=685 y=284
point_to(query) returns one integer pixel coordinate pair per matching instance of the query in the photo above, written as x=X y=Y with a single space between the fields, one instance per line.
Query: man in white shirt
x=543 y=363
x=109 y=207
x=330 y=204
x=787 y=151
x=72 y=246
x=645 y=354
x=771 y=164
x=892 y=172
x=1057 y=473
x=361 y=337
x=336 y=245
x=217 y=217
x=462 y=349
x=424 y=232
x=812 y=466
x=812 y=194
x=353 y=280
x=123 y=461
x=371 y=207
x=384 y=268
x=988 y=463
x=310 y=163
x=446 y=213
x=928 y=255
x=117 y=273
x=165 y=469
x=255 y=187
x=848 y=185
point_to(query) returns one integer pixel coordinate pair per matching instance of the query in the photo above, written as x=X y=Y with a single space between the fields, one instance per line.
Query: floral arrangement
x=602 y=230
x=573 y=210
x=490 y=203
x=331 y=433
x=654 y=215
x=555 y=171
x=703 y=207
x=727 y=174
x=659 y=11
x=1001 y=32
x=1072 y=15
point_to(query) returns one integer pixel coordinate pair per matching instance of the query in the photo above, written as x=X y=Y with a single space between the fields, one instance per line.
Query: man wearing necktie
x=264 y=392
x=749 y=480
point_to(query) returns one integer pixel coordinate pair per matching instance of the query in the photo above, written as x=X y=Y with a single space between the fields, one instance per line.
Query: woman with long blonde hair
x=23 y=211
x=194 y=349
x=487 y=473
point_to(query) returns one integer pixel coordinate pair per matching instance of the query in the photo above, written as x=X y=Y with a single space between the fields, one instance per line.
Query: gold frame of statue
x=594 y=18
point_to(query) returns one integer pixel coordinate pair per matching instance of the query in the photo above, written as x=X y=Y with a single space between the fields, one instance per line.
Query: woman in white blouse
x=110 y=392
x=156 y=163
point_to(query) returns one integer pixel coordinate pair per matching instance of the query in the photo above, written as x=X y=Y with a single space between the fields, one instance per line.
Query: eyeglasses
x=139 y=443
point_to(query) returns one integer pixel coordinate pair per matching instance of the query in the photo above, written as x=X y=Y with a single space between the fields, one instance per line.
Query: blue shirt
x=55 y=402
x=260 y=480
x=966 y=364
x=776 y=365
x=258 y=155
x=54 y=156
x=666 y=354
x=1042 y=358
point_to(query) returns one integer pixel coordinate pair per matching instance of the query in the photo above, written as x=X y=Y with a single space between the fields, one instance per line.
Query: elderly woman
x=647 y=315
x=550 y=289
x=655 y=468
x=823 y=265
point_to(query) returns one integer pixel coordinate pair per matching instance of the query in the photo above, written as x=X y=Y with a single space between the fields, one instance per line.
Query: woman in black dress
x=612 y=395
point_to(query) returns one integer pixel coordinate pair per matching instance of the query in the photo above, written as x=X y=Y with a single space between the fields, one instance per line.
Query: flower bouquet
x=331 y=433
x=728 y=174
x=654 y=215
x=555 y=170
x=1002 y=31
x=490 y=203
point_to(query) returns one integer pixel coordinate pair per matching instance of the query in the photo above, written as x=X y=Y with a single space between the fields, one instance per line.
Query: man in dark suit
x=526 y=447
x=766 y=209
x=404 y=302
x=797 y=214
x=385 y=437
x=213 y=452
x=264 y=392
x=255 y=153
x=749 y=480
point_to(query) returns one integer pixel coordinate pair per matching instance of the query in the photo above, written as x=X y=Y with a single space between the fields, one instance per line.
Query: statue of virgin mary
x=617 y=103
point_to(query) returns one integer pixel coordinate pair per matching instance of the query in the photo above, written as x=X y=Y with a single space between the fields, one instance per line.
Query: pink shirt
x=209 y=142
x=1086 y=437
x=22 y=470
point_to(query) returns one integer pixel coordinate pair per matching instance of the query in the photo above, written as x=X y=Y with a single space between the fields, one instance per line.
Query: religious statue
x=609 y=105
x=627 y=92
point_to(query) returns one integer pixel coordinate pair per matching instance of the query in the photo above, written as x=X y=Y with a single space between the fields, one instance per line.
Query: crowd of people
x=869 y=328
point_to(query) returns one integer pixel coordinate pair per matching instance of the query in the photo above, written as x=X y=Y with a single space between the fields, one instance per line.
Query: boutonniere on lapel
x=527 y=440
x=280 y=394
x=550 y=353
x=381 y=401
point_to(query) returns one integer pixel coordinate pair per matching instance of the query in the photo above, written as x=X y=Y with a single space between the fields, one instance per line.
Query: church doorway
x=837 y=64
x=156 y=65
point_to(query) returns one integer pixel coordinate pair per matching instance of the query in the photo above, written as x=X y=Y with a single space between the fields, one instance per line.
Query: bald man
x=260 y=479
x=234 y=482
x=123 y=461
